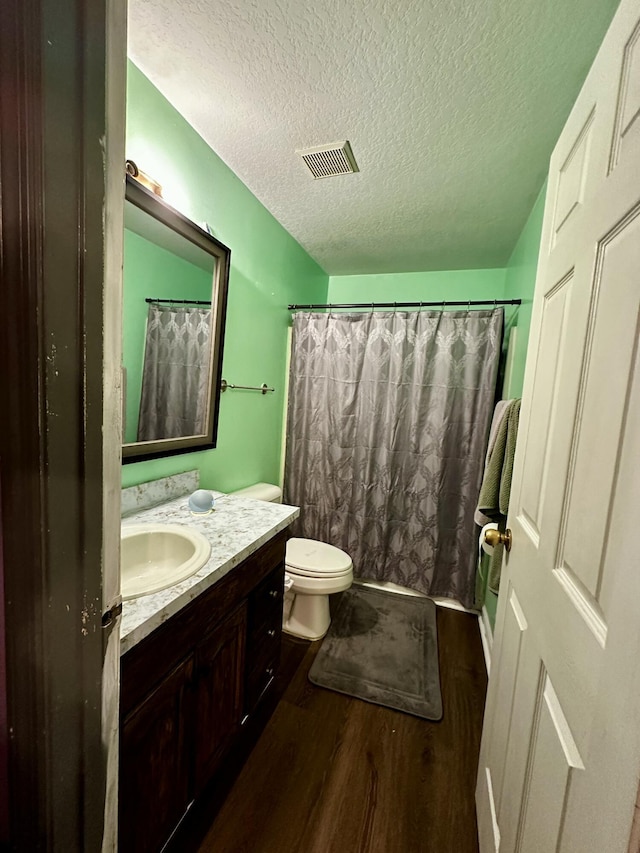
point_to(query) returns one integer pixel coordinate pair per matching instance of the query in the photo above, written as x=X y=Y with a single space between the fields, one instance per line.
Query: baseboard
x=486 y=635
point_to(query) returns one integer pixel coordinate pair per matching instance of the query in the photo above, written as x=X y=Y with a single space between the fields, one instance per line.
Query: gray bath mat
x=383 y=648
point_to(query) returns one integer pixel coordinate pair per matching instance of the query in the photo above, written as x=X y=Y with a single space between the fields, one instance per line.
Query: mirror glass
x=175 y=284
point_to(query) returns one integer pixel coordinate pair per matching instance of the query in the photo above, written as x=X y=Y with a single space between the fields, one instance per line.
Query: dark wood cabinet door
x=218 y=692
x=155 y=764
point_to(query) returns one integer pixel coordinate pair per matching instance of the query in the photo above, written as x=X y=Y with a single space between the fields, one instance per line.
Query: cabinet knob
x=273 y=593
x=270 y=671
x=271 y=632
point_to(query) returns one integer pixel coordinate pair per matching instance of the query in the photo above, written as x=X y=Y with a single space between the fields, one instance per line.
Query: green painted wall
x=150 y=270
x=269 y=269
x=414 y=286
x=520 y=283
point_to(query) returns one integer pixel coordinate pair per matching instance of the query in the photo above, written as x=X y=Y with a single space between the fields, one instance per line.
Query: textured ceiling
x=452 y=108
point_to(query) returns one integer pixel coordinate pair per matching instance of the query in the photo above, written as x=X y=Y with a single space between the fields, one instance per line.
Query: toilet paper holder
x=497 y=537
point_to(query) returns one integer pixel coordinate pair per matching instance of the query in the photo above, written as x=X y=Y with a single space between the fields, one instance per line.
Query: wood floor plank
x=332 y=774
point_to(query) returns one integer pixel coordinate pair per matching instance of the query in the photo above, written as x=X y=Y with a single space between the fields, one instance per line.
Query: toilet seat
x=301 y=573
x=317 y=587
x=310 y=558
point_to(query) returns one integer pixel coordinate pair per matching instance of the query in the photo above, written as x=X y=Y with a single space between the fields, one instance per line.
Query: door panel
x=553 y=755
x=545 y=392
x=495 y=784
x=603 y=392
x=514 y=633
x=627 y=127
x=600 y=803
x=488 y=830
x=572 y=178
x=560 y=754
x=519 y=740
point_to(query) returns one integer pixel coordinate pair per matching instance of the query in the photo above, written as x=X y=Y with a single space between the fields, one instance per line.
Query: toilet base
x=309 y=617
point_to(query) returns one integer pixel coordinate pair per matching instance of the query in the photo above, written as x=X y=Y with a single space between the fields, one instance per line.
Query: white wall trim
x=486 y=635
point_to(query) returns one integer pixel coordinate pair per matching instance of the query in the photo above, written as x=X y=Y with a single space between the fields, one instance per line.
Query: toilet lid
x=308 y=555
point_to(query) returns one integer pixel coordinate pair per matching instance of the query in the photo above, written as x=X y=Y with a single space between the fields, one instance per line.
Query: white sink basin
x=157 y=556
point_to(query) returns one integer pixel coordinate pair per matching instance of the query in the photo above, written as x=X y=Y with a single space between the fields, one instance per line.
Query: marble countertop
x=236 y=528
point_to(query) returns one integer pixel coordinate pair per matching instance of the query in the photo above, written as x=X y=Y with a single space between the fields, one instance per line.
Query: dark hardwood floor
x=331 y=774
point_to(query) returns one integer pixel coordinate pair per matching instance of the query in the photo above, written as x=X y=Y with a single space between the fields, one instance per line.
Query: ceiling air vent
x=325 y=161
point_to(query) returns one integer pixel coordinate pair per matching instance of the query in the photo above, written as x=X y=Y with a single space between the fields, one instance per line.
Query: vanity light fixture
x=146 y=180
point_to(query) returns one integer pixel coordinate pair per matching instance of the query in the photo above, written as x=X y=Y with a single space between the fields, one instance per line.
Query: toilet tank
x=261 y=492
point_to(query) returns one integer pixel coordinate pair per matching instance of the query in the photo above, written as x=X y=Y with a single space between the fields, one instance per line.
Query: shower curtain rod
x=180 y=301
x=442 y=304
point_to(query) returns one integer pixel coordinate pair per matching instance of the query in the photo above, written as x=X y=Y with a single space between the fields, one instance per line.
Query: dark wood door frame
x=52 y=197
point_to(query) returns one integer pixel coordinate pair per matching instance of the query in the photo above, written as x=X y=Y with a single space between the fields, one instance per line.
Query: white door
x=560 y=754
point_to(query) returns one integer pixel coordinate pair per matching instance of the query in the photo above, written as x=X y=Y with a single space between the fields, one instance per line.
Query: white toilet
x=316 y=569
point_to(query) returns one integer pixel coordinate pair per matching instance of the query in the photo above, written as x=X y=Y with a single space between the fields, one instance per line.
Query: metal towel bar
x=262 y=388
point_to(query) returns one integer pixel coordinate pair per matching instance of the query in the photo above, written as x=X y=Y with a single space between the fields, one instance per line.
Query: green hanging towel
x=513 y=419
x=496 y=484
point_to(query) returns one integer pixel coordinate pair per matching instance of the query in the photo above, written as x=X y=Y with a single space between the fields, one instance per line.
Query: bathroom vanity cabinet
x=189 y=690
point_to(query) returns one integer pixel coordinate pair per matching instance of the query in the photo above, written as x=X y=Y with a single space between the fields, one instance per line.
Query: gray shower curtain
x=175 y=377
x=389 y=414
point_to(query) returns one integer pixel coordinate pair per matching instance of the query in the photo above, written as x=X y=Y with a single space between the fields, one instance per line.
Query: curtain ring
x=372 y=304
x=395 y=306
x=469 y=305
